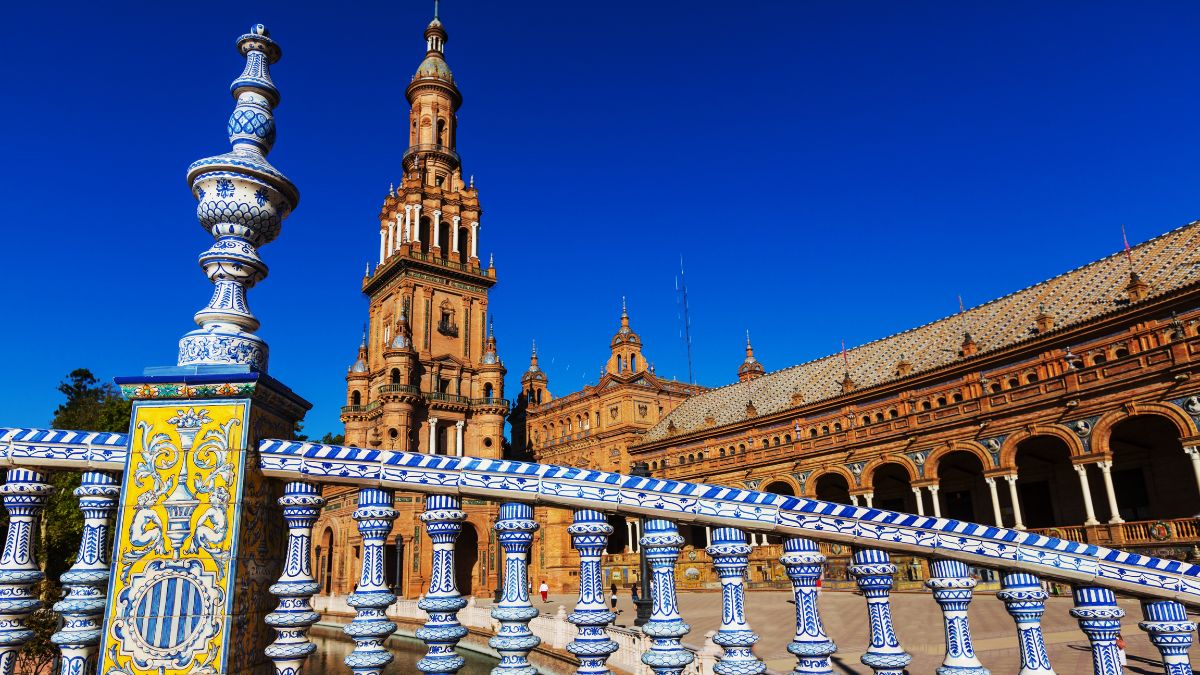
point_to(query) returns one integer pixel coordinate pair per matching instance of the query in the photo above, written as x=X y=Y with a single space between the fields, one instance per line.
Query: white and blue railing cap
x=63 y=448
x=718 y=506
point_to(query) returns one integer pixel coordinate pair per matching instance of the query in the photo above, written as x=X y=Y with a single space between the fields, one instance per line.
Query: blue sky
x=828 y=170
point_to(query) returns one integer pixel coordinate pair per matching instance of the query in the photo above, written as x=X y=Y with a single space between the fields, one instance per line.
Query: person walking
x=633 y=591
x=545 y=591
x=612 y=599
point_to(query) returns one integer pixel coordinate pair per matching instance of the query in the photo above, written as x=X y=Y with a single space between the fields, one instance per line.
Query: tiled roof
x=1167 y=262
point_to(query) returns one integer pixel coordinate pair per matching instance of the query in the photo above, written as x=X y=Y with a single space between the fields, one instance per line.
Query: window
x=742 y=448
x=941 y=401
x=395 y=376
x=957 y=398
x=1013 y=383
x=1098 y=359
x=893 y=413
x=487 y=390
x=775 y=441
x=633 y=362
x=926 y=405
x=866 y=419
x=825 y=430
x=837 y=426
x=787 y=438
x=879 y=416
x=355 y=398
x=1120 y=353
x=1031 y=378
x=721 y=453
x=812 y=433
x=995 y=388
x=766 y=443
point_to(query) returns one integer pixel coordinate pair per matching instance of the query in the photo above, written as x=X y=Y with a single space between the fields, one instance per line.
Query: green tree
x=331 y=439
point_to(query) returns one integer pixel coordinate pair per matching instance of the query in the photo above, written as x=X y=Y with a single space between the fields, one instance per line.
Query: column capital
x=433 y=420
x=1012 y=477
x=1192 y=451
x=1105 y=465
x=934 y=488
x=456 y=219
x=460 y=424
x=437 y=213
x=408 y=208
x=1080 y=469
x=990 y=480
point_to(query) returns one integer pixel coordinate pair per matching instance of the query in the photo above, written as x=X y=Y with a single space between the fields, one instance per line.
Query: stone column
x=1193 y=452
x=1113 y=510
x=589 y=535
x=454 y=234
x=920 y=501
x=729 y=556
x=1081 y=469
x=436 y=236
x=811 y=646
x=708 y=534
x=407 y=223
x=475 y=252
x=391 y=238
x=458 y=437
x=854 y=500
x=991 y=483
x=433 y=430
x=1018 y=521
x=86 y=582
x=416 y=223
x=514 y=529
x=869 y=499
x=937 y=505
x=382 y=244
x=630 y=538
x=370 y=627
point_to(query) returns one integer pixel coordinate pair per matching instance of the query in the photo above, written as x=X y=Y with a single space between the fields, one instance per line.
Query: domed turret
x=534 y=381
x=402 y=340
x=625 y=334
x=750 y=367
x=626 y=347
x=360 y=365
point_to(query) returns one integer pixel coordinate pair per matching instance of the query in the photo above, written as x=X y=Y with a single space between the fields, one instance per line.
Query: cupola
x=750 y=368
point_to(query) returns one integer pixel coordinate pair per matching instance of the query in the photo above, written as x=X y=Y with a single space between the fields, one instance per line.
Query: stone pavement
x=918 y=624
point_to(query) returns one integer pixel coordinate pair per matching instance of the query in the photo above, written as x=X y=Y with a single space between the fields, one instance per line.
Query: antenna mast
x=681 y=289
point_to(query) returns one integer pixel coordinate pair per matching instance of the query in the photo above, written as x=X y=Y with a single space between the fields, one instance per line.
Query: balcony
x=399 y=389
x=447 y=398
x=429 y=149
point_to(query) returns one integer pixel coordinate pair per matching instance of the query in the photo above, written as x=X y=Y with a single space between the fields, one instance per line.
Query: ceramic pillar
x=873 y=570
x=1018 y=520
x=1171 y=632
x=371 y=597
x=1109 y=492
x=514 y=529
x=1100 y=619
x=443 y=518
x=951 y=583
x=811 y=646
x=24 y=495
x=991 y=483
x=1088 y=509
x=666 y=655
x=592 y=646
x=729 y=554
x=86 y=582
x=1025 y=600
x=301 y=504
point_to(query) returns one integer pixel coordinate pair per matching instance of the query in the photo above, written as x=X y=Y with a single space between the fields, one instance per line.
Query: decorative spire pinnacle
x=435 y=9
x=243 y=202
x=750 y=368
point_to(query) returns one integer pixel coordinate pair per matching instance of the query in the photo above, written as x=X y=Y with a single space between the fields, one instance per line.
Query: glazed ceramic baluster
x=443 y=519
x=86 y=582
x=589 y=535
x=873 y=570
x=370 y=627
x=811 y=646
x=1026 y=601
x=730 y=558
x=24 y=496
x=301 y=504
x=661 y=544
x=1100 y=619
x=1170 y=631
x=514 y=529
x=951 y=583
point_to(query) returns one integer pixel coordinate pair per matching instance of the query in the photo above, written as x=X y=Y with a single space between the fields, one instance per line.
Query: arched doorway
x=964 y=494
x=466 y=558
x=325 y=562
x=780 y=487
x=1152 y=476
x=618 y=541
x=832 y=487
x=893 y=489
x=1047 y=484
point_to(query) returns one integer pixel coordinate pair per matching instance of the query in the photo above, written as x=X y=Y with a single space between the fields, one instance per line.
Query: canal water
x=333 y=646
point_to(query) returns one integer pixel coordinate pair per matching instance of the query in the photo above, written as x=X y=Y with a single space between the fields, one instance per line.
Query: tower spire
x=243 y=202
x=750 y=367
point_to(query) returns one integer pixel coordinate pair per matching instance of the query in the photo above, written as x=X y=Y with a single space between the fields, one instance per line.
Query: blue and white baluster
x=514 y=641
x=1026 y=601
x=1170 y=631
x=87 y=581
x=370 y=627
x=1100 y=619
x=811 y=646
x=873 y=570
x=661 y=543
x=730 y=556
x=443 y=520
x=951 y=583
x=24 y=496
x=301 y=504
x=589 y=535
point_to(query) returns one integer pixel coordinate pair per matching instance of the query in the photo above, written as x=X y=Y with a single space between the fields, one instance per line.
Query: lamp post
x=643 y=603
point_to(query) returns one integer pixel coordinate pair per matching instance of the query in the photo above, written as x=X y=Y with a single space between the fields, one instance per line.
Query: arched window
x=941 y=401
x=355 y=398
x=721 y=453
x=444 y=238
x=926 y=405
x=866 y=419
x=1099 y=358
x=995 y=388
x=742 y=448
x=812 y=433
x=426 y=239
x=597 y=419
x=825 y=430
x=893 y=413
x=633 y=363
x=957 y=398
x=487 y=390
x=1120 y=353
x=464 y=245
x=787 y=438
x=395 y=376
x=441 y=132
x=837 y=426
x=878 y=417
x=1013 y=383
x=1030 y=378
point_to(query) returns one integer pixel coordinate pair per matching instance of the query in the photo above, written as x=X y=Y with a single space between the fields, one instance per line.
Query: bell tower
x=428 y=378
x=626 y=358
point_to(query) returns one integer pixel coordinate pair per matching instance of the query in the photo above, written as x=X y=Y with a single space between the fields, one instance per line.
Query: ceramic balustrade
x=301 y=504
x=514 y=641
x=1171 y=632
x=370 y=627
x=873 y=572
x=666 y=656
x=443 y=518
x=24 y=495
x=951 y=583
x=811 y=646
x=589 y=535
x=1025 y=600
x=730 y=557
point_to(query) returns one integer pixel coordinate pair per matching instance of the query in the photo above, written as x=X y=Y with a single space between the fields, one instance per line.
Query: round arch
x=466 y=559
x=935 y=458
x=891 y=486
x=1102 y=432
x=1008 y=451
x=868 y=474
x=782 y=485
x=811 y=485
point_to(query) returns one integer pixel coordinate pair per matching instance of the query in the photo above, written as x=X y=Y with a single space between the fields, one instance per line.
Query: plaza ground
x=918 y=623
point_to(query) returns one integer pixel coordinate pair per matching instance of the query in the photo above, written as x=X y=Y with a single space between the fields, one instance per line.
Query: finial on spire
x=472 y=185
x=435 y=9
x=534 y=353
x=243 y=202
x=624 y=311
x=367 y=271
x=363 y=344
x=748 y=348
x=491 y=326
x=491 y=260
x=391 y=189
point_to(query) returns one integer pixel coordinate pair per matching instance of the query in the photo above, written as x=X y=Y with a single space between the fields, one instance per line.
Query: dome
x=434 y=66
